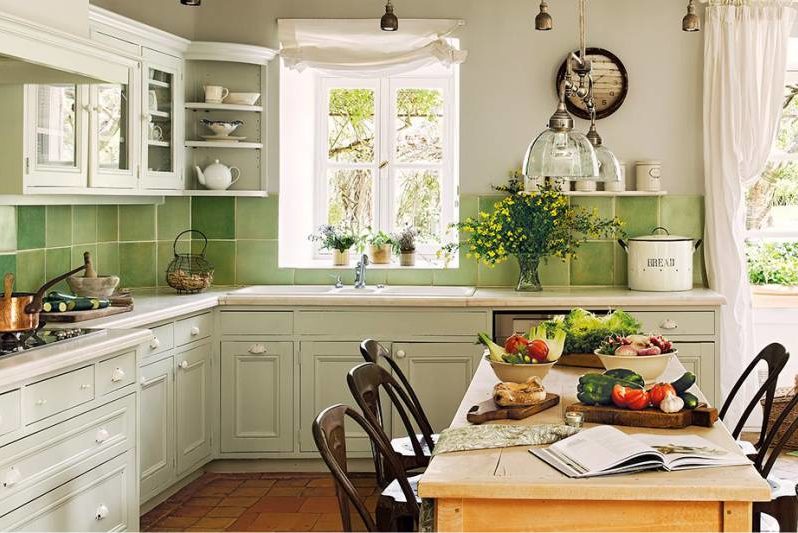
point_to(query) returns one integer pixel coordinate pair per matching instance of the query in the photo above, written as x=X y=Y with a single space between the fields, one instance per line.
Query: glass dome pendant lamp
x=609 y=166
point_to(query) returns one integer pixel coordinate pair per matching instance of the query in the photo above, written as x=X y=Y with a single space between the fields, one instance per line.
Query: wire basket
x=189 y=273
x=780 y=401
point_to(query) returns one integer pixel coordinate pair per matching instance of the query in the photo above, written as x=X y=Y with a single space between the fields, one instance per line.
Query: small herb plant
x=405 y=240
x=380 y=239
x=332 y=238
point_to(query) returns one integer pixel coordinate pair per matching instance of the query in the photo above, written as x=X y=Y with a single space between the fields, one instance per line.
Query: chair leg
x=785 y=511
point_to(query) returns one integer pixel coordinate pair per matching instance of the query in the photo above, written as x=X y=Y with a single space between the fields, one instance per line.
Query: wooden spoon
x=8 y=287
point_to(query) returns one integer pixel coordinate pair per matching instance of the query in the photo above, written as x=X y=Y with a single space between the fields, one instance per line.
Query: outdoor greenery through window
x=772 y=203
x=387 y=158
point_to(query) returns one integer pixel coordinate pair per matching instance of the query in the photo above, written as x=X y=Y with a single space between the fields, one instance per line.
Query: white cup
x=617 y=186
x=214 y=94
x=585 y=186
x=648 y=175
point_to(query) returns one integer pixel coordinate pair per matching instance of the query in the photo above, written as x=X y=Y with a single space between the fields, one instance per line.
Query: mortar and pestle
x=91 y=285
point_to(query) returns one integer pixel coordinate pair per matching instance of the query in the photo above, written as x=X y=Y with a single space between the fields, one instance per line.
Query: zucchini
x=54 y=307
x=690 y=400
x=683 y=383
x=62 y=296
x=86 y=304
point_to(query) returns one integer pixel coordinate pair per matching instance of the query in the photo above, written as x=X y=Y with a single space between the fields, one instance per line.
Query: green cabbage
x=585 y=331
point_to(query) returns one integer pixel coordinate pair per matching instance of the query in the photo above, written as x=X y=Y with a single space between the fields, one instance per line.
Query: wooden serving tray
x=582 y=360
x=648 y=418
x=488 y=411
x=82 y=316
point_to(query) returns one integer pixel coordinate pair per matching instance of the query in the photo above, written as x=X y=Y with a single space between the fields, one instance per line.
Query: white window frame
x=385 y=168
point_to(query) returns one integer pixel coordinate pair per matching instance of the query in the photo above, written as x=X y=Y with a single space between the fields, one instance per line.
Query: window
x=384 y=155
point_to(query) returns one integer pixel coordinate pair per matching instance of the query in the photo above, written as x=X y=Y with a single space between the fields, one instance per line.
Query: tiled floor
x=255 y=502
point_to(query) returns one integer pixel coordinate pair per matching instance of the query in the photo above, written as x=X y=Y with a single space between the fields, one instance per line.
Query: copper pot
x=19 y=311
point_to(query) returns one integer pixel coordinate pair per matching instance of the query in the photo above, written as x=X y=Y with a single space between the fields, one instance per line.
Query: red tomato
x=516 y=344
x=538 y=350
x=630 y=398
x=658 y=392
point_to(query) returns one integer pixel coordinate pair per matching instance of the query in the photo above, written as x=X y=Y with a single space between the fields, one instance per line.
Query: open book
x=605 y=450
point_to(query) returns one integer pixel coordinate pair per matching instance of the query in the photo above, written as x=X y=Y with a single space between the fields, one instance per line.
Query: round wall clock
x=610 y=85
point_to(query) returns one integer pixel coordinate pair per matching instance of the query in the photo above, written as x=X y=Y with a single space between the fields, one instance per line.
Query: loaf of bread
x=519 y=394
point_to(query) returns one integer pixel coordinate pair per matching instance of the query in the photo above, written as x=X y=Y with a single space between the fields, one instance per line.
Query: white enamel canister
x=660 y=262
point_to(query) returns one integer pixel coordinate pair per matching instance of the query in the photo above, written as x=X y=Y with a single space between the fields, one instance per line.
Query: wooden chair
x=398 y=506
x=366 y=382
x=783 y=504
x=775 y=356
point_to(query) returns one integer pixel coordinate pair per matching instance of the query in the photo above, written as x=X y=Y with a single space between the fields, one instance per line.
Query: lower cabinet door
x=192 y=393
x=257 y=396
x=439 y=374
x=699 y=358
x=102 y=499
x=157 y=437
x=324 y=366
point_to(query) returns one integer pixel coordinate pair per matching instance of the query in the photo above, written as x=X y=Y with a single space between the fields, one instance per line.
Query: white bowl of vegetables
x=524 y=355
x=647 y=355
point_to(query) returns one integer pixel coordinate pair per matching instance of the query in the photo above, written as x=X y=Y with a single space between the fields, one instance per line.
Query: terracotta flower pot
x=407 y=259
x=380 y=255
x=340 y=258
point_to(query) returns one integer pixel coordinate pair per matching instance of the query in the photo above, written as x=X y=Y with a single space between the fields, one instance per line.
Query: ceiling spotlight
x=191 y=2
x=389 y=22
x=543 y=20
x=691 y=21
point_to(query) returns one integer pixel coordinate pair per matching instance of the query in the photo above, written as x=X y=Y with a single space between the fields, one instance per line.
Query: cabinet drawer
x=193 y=329
x=257 y=323
x=99 y=500
x=9 y=412
x=57 y=394
x=40 y=462
x=391 y=324
x=113 y=374
x=163 y=339
x=676 y=323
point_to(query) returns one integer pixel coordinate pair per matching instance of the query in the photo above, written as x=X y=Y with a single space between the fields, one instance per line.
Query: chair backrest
x=329 y=432
x=772 y=444
x=775 y=356
x=372 y=351
x=366 y=381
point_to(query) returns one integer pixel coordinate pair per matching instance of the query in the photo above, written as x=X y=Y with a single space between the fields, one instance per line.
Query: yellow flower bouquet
x=532 y=227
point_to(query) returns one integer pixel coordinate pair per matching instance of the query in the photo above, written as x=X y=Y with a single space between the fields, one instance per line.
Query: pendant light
x=609 y=166
x=389 y=21
x=543 y=21
x=691 y=21
x=193 y=3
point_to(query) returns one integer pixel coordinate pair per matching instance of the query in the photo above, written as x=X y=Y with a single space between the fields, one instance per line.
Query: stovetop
x=14 y=343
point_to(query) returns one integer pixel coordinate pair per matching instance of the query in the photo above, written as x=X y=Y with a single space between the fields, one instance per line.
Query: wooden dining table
x=509 y=489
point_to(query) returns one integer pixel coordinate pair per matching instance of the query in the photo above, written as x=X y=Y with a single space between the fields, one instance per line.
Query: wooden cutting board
x=648 y=418
x=488 y=410
x=82 y=316
x=581 y=360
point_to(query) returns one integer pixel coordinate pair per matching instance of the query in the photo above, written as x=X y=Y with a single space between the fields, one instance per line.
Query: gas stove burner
x=11 y=343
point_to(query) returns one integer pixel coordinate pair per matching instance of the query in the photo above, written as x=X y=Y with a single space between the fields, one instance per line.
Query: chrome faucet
x=360 y=272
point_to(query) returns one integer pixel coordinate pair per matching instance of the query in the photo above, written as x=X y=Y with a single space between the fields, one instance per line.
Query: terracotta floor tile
x=191 y=510
x=243 y=522
x=204 y=501
x=319 y=504
x=365 y=492
x=278 y=504
x=226 y=512
x=240 y=501
x=164 y=529
x=284 y=522
x=259 y=483
x=257 y=492
x=331 y=521
x=214 y=491
x=215 y=524
x=178 y=521
x=292 y=482
x=226 y=483
x=364 y=481
x=321 y=482
x=285 y=491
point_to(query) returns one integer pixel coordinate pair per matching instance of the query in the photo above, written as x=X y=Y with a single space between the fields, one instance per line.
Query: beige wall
x=507 y=83
x=67 y=15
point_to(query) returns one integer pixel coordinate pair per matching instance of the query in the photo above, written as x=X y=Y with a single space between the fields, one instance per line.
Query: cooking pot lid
x=661 y=237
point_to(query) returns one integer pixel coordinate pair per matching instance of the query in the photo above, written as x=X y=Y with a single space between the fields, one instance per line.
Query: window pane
x=160 y=152
x=773 y=200
x=351 y=198
x=56 y=125
x=112 y=120
x=787 y=136
x=773 y=263
x=351 y=125
x=418 y=201
x=419 y=125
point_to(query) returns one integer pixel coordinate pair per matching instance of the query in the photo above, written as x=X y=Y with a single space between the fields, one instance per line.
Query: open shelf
x=160 y=144
x=223 y=144
x=201 y=106
x=159 y=83
x=229 y=192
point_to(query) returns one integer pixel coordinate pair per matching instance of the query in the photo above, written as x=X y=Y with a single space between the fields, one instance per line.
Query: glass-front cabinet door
x=162 y=104
x=57 y=116
x=114 y=157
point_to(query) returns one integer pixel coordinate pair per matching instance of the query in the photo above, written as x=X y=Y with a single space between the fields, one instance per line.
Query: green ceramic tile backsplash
x=136 y=243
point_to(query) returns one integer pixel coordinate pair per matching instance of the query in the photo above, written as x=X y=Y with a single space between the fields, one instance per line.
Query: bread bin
x=660 y=262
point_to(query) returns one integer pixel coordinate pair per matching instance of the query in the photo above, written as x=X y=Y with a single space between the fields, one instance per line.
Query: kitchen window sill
x=774 y=298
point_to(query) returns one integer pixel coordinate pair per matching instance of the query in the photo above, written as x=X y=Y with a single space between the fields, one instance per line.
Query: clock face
x=610 y=85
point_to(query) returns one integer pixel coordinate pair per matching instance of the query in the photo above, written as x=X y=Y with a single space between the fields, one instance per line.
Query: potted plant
x=380 y=246
x=405 y=245
x=532 y=227
x=338 y=240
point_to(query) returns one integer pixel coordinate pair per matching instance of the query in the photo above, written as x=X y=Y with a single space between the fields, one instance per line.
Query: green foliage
x=405 y=240
x=773 y=263
x=420 y=202
x=586 y=331
x=380 y=239
x=332 y=238
x=351 y=129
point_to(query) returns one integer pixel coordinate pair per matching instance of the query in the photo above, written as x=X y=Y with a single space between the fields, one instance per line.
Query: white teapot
x=217 y=177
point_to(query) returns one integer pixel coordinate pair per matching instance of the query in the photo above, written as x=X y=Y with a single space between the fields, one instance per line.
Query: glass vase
x=528 y=278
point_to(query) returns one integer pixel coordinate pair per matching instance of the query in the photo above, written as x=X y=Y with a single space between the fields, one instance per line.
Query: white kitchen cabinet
x=257 y=396
x=439 y=374
x=699 y=358
x=192 y=406
x=157 y=437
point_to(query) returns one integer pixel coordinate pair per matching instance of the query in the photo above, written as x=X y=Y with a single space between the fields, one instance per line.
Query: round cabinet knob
x=117 y=375
x=195 y=331
x=102 y=512
x=257 y=349
x=41 y=402
x=401 y=354
x=12 y=477
x=85 y=386
x=155 y=344
x=184 y=365
x=102 y=435
x=143 y=381
x=669 y=324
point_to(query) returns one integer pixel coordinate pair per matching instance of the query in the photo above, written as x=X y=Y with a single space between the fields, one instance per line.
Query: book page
x=599 y=448
x=691 y=451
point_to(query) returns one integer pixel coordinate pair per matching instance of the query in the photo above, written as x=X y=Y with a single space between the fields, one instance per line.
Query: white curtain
x=745 y=55
x=360 y=45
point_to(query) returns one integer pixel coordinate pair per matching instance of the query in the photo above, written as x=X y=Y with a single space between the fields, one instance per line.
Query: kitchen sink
x=371 y=290
x=428 y=291
x=288 y=290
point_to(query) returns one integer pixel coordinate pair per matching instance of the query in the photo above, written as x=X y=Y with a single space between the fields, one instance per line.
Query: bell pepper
x=658 y=392
x=630 y=398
